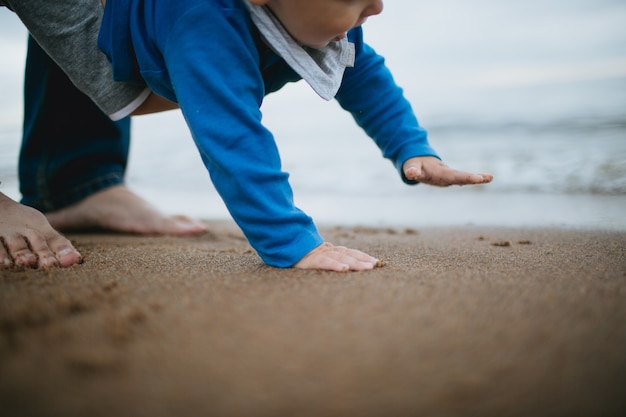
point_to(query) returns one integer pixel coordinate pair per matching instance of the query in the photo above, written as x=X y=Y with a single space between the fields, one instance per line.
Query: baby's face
x=315 y=23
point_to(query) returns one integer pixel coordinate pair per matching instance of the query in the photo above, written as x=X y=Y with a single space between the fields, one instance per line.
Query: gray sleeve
x=68 y=31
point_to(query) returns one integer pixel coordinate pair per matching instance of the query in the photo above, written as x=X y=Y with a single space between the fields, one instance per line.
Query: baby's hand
x=430 y=170
x=336 y=258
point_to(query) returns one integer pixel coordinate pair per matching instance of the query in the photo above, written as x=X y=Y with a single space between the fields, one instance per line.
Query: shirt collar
x=322 y=69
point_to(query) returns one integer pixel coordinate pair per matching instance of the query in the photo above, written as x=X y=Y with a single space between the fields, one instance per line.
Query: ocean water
x=533 y=92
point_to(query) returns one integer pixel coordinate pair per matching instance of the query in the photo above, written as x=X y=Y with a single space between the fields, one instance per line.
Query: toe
x=68 y=257
x=185 y=226
x=39 y=247
x=63 y=251
x=5 y=259
x=18 y=249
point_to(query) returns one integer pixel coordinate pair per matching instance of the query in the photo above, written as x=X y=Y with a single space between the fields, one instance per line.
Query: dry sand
x=459 y=322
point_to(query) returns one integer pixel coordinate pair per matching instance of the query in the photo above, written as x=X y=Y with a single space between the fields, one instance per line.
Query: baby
x=218 y=59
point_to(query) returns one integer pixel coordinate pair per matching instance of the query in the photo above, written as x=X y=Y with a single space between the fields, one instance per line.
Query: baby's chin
x=324 y=45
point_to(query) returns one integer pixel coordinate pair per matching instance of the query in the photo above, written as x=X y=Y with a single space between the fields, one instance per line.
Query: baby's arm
x=378 y=105
x=430 y=170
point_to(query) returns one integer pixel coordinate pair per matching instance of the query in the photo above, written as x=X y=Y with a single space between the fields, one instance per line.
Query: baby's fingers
x=431 y=171
x=442 y=177
x=336 y=258
x=454 y=177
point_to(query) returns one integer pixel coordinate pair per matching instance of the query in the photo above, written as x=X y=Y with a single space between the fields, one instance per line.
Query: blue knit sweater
x=207 y=56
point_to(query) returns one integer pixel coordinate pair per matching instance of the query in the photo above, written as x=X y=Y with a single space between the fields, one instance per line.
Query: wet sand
x=465 y=321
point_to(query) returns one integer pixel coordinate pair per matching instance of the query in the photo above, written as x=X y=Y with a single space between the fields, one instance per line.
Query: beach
x=506 y=299
x=472 y=321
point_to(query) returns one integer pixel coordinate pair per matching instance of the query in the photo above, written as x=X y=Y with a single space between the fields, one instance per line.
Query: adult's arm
x=68 y=31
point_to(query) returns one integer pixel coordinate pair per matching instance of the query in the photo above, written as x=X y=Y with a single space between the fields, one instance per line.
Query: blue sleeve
x=114 y=41
x=214 y=73
x=378 y=105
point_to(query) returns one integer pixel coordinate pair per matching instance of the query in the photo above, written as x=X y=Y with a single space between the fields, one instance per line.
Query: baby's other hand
x=336 y=258
x=430 y=170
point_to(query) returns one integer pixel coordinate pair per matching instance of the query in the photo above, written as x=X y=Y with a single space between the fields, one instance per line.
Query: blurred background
x=533 y=92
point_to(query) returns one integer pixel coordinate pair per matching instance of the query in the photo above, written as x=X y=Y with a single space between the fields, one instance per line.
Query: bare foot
x=119 y=209
x=337 y=258
x=28 y=240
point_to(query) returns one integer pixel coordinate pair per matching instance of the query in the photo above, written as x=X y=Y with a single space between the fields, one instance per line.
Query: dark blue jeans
x=70 y=149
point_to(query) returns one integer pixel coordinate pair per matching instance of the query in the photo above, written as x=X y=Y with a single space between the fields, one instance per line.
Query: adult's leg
x=70 y=149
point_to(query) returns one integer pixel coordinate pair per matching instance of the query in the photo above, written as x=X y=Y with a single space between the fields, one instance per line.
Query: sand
x=467 y=321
